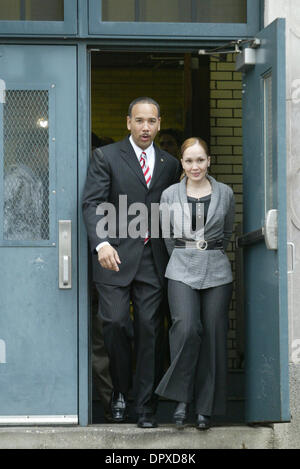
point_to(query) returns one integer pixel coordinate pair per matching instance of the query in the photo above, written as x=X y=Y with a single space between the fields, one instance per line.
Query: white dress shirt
x=150 y=158
x=150 y=154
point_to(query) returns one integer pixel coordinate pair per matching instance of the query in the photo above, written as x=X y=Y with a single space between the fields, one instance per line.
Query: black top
x=194 y=202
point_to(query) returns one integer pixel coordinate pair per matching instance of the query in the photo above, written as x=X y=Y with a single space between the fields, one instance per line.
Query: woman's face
x=195 y=162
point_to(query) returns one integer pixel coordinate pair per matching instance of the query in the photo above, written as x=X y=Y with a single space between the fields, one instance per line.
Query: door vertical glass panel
x=38 y=171
x=270 y=177
x=264 y=187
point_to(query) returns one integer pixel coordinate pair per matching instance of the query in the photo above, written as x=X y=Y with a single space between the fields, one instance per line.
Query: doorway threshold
x=129 y=436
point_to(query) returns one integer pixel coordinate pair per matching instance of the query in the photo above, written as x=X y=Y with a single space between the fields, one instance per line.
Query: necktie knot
x=143 y=159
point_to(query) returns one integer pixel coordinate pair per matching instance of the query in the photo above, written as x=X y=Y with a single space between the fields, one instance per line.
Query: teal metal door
x=38 y=228
x=264 y=240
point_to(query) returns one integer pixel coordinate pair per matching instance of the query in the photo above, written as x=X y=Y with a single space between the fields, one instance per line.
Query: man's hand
x=108 y=258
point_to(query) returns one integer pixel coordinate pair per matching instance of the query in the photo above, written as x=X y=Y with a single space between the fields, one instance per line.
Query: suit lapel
x=129 y=156
x=159 y=166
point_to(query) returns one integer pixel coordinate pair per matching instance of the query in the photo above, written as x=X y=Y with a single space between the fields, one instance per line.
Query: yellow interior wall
x=113 y=90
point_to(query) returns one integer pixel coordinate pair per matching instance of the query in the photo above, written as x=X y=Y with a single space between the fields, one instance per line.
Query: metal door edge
x=39 y=420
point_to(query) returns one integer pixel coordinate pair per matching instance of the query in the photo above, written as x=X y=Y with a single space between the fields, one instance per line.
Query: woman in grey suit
x=197 y=218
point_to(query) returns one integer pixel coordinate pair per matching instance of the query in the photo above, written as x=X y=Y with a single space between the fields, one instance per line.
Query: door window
x=175 y=11
x=173 y=18
x=38 y=17
x=26 y=166
x=32 y=10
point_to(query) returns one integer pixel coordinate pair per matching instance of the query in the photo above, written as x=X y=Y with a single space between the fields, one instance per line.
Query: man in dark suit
x=126 y=267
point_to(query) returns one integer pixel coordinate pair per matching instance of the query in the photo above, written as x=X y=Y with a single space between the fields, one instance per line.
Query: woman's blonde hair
x=189 y=142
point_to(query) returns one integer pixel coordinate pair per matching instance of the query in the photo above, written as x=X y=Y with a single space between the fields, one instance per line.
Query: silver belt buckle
x=203 y=245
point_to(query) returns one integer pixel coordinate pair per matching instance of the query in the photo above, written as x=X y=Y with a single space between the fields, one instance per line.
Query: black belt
x=202 y=244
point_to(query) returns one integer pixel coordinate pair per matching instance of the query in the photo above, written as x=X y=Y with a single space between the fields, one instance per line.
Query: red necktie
x=145 y=168
x=147 y=175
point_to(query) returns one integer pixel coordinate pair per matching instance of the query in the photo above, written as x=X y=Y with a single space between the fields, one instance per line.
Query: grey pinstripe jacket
x=198 y=269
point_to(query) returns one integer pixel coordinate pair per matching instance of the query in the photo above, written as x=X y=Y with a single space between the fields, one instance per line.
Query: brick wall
x=226 y=148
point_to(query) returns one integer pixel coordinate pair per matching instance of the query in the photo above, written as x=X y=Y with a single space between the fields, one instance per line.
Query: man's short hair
x=143 y=99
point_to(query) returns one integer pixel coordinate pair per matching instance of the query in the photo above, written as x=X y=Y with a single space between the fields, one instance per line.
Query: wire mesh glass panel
x=26 y=165
x=32 y=10
x=175 y=11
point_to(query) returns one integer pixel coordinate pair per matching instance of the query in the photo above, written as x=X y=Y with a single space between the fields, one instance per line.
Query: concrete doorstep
x=128 y=436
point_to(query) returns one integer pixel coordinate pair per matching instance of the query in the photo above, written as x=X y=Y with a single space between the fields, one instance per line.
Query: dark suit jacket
x=115 y=170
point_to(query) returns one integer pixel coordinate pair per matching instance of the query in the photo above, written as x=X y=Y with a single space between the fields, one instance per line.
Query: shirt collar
x=139 y=150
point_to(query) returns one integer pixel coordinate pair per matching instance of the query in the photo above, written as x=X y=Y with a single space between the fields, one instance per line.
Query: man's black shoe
x=146 y=420
x=118 y=407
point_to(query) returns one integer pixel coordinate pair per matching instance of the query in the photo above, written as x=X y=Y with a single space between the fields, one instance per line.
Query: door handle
x=293 y=256
x=268 y=232
x=66 y=270
x=249 y=238
x=65 y=254
x=271 y=229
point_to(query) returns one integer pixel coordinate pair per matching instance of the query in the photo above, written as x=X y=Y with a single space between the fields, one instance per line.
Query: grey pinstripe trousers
x=198 y=347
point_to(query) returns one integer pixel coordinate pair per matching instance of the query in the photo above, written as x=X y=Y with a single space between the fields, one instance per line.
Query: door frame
x=84 y=129
x=122 y=46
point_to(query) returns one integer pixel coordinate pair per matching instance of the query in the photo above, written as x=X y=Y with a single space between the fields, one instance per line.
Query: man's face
x=143 y=124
